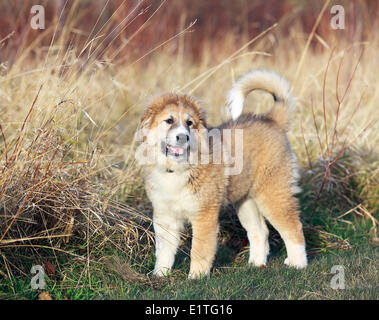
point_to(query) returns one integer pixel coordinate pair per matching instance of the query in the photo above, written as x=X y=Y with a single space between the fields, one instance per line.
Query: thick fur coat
x=262 y=189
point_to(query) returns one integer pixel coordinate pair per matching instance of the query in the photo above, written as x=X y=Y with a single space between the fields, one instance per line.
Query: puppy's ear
x=146 y=118
x=203 y=118
x=144 y=125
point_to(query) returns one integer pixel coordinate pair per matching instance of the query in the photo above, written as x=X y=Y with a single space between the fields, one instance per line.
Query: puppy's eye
x=170 y=121
x=189 y=123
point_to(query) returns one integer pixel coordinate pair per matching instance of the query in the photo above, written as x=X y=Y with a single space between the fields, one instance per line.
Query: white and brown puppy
x=182 y=190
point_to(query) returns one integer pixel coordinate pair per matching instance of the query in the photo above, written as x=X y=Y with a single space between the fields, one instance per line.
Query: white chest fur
x=169 y=193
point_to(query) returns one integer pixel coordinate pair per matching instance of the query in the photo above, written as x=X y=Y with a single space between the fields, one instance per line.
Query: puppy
x=183 y=187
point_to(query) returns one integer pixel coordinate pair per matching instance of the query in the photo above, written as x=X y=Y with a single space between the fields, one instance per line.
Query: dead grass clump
x=127 y=273
x=52 y=202
x=339 y=188
x=344 y=195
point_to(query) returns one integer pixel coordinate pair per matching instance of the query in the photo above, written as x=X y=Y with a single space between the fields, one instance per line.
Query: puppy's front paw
x=258 y=260
x=198 y=275
x=161 y=272
x=199 y=271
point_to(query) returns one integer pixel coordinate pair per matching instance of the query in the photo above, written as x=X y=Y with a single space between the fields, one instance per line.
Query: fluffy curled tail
x=268 y=81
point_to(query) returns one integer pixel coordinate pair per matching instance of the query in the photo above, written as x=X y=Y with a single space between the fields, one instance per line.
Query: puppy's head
x=168 y=125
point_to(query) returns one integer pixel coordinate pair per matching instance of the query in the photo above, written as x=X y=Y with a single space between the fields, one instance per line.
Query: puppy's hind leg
x=280 y=209
x=257 y=232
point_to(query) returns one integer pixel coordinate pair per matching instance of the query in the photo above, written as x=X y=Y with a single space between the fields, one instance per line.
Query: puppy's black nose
x=182 y=138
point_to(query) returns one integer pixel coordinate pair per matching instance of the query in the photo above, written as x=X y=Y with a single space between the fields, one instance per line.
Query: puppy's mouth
x=174 y=151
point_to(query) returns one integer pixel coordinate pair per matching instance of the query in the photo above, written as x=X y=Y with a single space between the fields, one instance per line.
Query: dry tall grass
x=68 y=116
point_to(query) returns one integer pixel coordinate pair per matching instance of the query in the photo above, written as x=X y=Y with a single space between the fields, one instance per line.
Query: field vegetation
x=71 y=96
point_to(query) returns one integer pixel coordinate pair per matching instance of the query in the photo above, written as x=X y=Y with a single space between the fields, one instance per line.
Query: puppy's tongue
x=175 y=150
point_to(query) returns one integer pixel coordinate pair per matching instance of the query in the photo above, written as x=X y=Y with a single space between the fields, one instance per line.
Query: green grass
x=237 y=281
x=279 y=282
x=231 y=278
